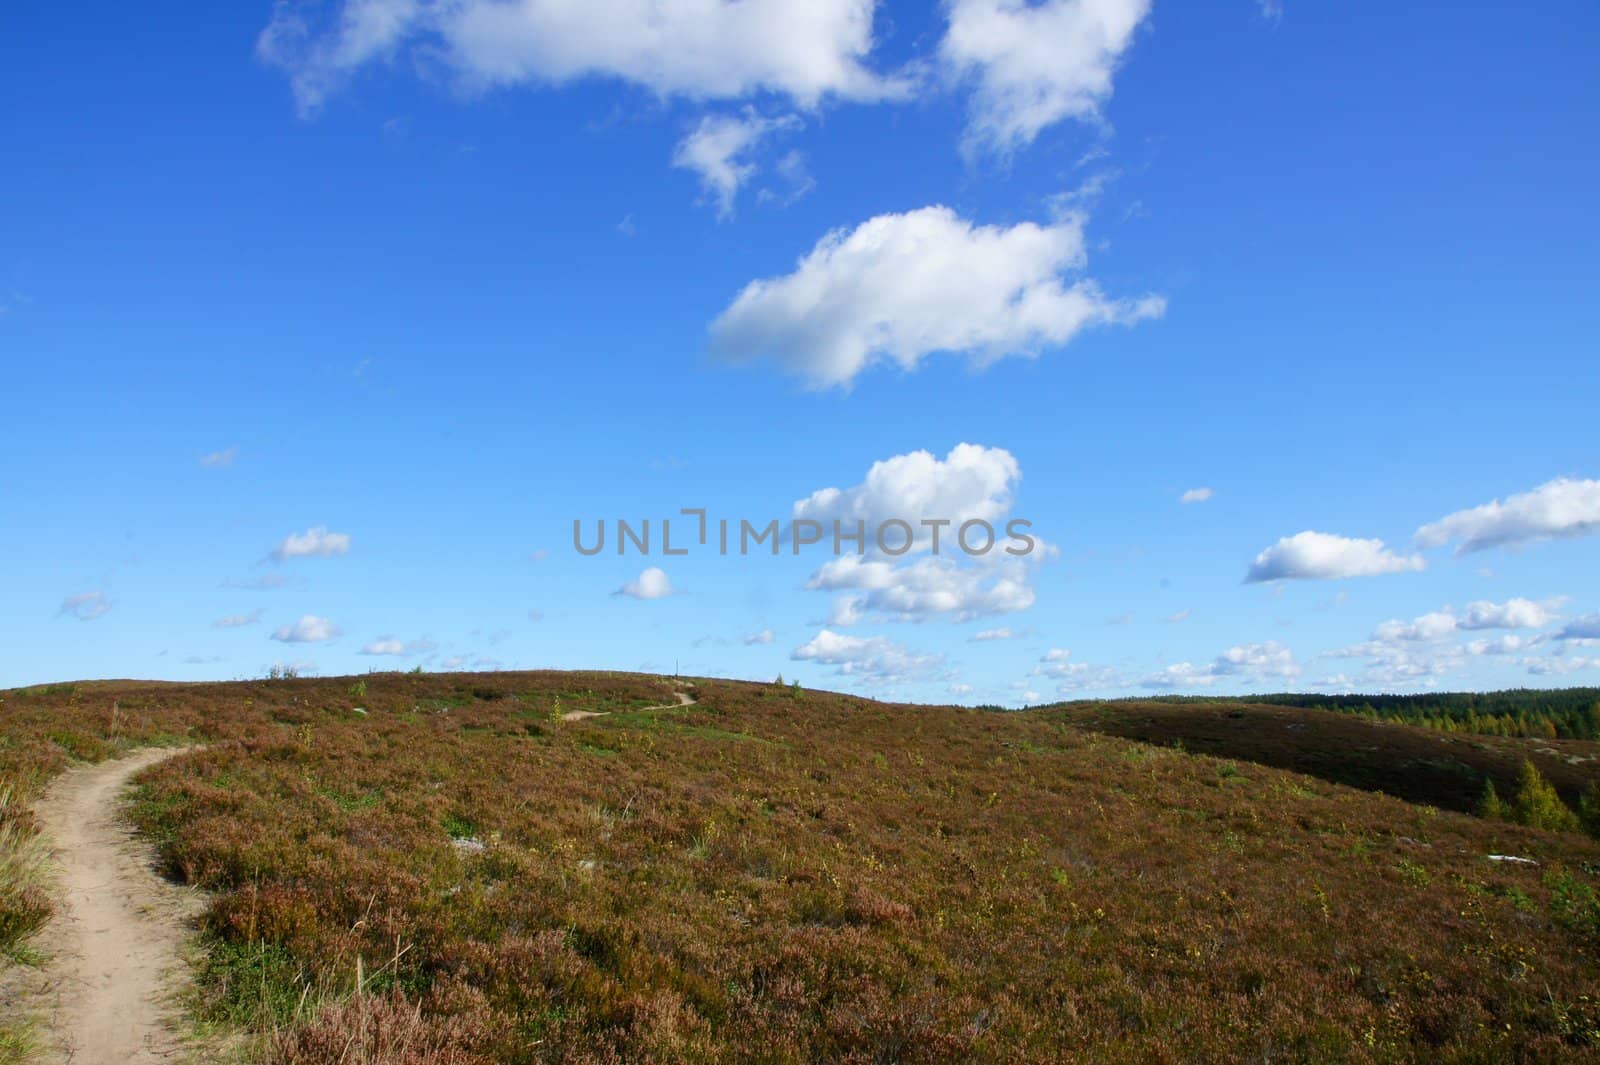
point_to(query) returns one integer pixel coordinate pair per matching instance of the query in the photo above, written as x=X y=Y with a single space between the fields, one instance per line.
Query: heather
x=418 y=868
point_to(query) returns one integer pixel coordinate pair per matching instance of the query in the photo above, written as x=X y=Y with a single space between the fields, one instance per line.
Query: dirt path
x=115 y=944
x=684 y=699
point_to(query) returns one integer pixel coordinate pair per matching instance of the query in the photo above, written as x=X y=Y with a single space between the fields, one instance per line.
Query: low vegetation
x=1448 y=770
x=1535 y=713
x=452 y=870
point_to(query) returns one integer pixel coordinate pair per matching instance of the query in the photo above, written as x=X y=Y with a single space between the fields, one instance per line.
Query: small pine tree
x=779 y=681
x=1538 y=806
x=1490 y=807
x=1589 y=809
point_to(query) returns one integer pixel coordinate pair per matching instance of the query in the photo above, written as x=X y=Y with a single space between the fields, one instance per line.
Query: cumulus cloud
x=847 y=611
x=1403 y=654
x=971 y=483
x=1483 y=614
x=1248 y=662
x=1398 y=663
x=1324 y=556
x=719 y=150
x=1553 y=666
x=1503 y=645
x=1073 y=677
x=219 y=460
x=806 y=50
x=1562 y=508
x=651 y=584
x=1511 y=614
x=309 y=629
x=316 y=542
x=1584 y=628
x=900 y=287
x=86 y=606
x=988 y=635
x=919 y=590
x=389 y=645
x=1432 y=626
x=1035 y=64
x=236 y=621
x=765 y=636
x=1196 y=495
x=872 y=658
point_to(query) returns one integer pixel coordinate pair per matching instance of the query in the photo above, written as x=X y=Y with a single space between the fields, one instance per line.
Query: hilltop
x=576 y=867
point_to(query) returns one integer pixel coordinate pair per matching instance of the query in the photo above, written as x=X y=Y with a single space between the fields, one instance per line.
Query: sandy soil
x=115 y=945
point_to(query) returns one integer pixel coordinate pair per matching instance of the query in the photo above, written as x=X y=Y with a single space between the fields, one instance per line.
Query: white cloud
x=1399 y=663
x=1542 y=667
x=1074 y=677
x=960 y=689
x=1511 y=614
x=1178 y=617
x=1562 y=508
x=700 y=49
x=86 y=606
x=235 y=621
x=1324 y=556
x=316 y=542
x=900 y=287
x=1432 y=626
x=987 y=635
x=1503 y=645
x=1584 y=628
x=1247 y=662
x=1196 y=495
x=1035 y=64
x=927 y=587
x=1181 y=675
x=309 y=629
x=873 y=658
x=651 y=584
x=1483 y=614
x=765 y=636
x=970 y=482
x=847 y=610
x=219 y=460
x=389 y=645
x=719 y=148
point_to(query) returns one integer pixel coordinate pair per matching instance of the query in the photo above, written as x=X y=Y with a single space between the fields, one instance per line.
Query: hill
x=575 y=867
x=1418 y=764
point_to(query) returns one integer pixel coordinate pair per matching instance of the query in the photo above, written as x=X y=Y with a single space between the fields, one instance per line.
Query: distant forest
x=1564 y=713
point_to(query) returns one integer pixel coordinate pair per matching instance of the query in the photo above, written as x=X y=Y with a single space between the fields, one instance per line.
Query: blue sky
x=323 y=322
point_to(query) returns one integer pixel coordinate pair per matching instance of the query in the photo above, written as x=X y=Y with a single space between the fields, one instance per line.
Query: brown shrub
x=378 y=1030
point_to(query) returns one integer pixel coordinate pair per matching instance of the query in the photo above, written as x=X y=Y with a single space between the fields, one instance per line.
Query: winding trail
x=684 y=699
x=115 y=946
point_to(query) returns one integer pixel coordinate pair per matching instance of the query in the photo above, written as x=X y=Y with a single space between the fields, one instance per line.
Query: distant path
x=684 y=699
x=114 y=947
